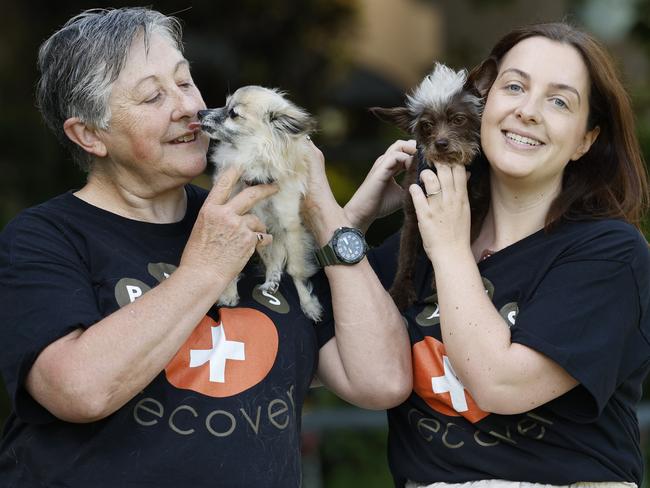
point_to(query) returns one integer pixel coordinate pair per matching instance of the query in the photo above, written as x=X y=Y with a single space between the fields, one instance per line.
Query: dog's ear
x=293 y=122
x=482 y=77
x=400 y=116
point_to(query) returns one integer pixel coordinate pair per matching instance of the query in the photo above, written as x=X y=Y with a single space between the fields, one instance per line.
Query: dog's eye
x=426 y=126
x=458 y=119
x=232 y=114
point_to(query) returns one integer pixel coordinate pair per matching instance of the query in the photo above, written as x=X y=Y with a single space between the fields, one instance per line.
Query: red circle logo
x=435 y=381
x=225 y=358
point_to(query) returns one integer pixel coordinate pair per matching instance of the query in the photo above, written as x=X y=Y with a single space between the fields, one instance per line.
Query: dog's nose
x=202 y=114
x=441 y=144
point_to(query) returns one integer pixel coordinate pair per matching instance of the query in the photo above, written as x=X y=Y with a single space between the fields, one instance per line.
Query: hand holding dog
x=225 y=235
x=444 y=216
x=379 y=194
x=321 y=211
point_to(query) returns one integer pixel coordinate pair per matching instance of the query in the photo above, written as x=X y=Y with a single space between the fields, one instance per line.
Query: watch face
x=349 y=246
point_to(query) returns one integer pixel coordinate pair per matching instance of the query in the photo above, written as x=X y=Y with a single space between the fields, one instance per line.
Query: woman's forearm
x=503 y=377
x=89 y=374
x=370 y=364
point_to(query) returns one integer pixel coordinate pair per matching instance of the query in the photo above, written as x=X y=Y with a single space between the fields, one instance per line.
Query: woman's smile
x=521 y=141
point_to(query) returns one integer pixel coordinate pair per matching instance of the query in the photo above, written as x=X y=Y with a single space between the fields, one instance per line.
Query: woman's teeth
x=522 y=139
x=186 y=138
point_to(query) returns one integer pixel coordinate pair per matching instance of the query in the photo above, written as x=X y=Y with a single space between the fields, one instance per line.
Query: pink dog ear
x=399 y=116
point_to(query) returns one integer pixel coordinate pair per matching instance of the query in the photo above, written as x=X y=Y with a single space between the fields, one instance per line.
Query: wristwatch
x=347 y=246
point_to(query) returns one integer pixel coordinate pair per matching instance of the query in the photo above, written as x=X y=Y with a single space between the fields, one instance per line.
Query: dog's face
x=449 y=133
x=443 y=115
x=255 y=111
x=260 y=123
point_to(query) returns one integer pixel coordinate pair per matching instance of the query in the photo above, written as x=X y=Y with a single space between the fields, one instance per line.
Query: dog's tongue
x=194 y=125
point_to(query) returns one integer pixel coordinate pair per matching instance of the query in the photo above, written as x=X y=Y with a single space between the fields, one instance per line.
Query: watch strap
x=326 y=256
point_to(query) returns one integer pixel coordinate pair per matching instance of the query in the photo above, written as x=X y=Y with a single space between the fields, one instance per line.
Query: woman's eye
x=153 y=99
x=559 y=102
x=513 y=88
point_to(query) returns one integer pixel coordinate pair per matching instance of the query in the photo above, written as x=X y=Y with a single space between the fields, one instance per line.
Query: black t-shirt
x=226 y=409
x=579 y=295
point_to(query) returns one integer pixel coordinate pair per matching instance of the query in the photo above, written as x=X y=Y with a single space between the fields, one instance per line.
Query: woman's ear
x=85 y=137
x=588 y=139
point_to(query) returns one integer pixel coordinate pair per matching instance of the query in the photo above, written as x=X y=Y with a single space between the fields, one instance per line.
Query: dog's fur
x=264 y=134
x=443 y=115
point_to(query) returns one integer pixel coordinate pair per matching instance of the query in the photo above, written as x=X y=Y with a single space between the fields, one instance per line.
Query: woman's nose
x=187 y=104
x=528 y=111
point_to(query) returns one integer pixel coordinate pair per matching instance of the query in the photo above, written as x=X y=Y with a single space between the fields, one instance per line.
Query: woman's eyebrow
x=183 y=62
x=557 y=86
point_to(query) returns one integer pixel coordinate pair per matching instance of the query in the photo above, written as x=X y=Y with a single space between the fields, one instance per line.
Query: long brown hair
x=610 y=180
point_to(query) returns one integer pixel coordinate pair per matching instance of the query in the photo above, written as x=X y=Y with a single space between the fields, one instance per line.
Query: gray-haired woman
x=121 y=370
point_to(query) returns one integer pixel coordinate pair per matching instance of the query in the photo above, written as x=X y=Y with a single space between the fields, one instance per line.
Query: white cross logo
x=449 y=383
x=221 y=351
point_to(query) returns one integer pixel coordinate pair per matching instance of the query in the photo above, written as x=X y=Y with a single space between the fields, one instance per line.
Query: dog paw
x=228 y=302
x=270 y=286
x=312 y=309
x=228 y=299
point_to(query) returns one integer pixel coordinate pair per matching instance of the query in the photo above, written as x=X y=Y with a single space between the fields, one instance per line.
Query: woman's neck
x=132 y=200
x=514 y=214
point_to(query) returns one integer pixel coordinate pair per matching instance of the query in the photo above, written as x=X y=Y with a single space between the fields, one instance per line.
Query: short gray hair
x=80 y=62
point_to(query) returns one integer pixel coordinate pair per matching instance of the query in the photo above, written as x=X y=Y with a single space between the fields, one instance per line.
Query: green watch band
x=326 y=256
x=347 y=246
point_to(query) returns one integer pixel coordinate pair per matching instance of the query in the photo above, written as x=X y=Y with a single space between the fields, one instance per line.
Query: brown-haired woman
x=530 y=352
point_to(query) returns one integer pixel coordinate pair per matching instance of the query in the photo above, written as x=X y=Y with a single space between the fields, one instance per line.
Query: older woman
x=530 y=352
x=121 y=370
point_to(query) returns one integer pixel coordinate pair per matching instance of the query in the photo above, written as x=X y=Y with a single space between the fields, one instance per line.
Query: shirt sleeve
x=45 y=293
x=383 y=260
x=586 y=316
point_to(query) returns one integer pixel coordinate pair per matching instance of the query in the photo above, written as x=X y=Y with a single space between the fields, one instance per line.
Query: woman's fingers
x=446 y=178
x=246 y=199
x=420 y=202
x=263 y=239
x=408 y=147
x=432 y=184
x=397 y=157
x=461 y=177
x=402 y=152
x=253 y=223
x=452 y=176
x=223 y=186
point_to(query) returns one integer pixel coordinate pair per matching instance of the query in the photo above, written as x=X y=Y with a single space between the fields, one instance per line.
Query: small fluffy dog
x=443 y=115
x=264 y=134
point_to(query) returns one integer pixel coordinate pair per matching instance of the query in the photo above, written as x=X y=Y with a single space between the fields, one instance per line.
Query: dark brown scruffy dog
x=443 y=115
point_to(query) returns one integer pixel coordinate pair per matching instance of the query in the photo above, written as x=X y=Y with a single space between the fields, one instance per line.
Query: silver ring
x=434 y=193
x=260 y=237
